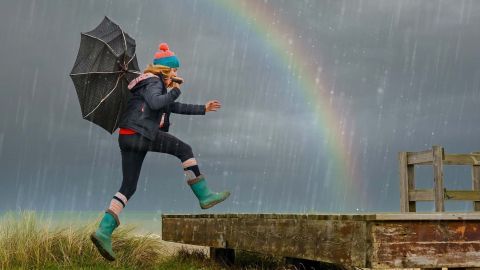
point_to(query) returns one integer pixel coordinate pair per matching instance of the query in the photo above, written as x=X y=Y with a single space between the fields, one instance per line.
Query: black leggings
x=134 y=148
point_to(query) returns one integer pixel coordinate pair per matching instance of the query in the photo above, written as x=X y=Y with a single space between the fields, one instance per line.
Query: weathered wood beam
x=175 y=219
x=476 y=184
x=421 y=195
x=438 y=155
x=412 y=205
x=444 y=216
x=421 y=244
x=305 y=216
x=333 y=241
x=458 y=195
x=404 y=190
x=424 y=157
x=407 y=183
x=462 y=195
x=462 y=159
x=408 y=240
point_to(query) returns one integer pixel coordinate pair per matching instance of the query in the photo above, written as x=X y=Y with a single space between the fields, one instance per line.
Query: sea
x=144 y=222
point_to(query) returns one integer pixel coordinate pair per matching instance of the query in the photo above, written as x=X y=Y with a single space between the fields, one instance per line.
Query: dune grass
x=28 y=241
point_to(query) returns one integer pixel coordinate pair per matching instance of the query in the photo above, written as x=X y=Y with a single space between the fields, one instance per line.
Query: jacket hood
x=139 y=79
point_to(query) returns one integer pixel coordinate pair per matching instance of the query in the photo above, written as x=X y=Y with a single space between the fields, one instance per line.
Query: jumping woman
x=144 y=127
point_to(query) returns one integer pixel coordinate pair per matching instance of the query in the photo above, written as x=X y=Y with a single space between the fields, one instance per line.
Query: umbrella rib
x=124 y=47
x=97 y=72
x=133 y=56
x=132 y=71
x=111 y=49
x=103 y=99
x=116 y=121
x=124 y=64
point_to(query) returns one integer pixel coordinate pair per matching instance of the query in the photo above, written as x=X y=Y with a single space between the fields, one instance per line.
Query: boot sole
x=102 y=251
x=212 y=204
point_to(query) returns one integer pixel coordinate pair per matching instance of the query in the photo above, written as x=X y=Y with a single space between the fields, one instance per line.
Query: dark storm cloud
x=405 y=72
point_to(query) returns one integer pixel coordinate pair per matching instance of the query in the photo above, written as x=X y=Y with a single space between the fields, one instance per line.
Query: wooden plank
x=459 y=195
x=421 y=195
x=438 y=178
x=476 y=184
x=404 y=190
x=462 y=195
x=341 y=242
x=179 y=229
x=420 y=158
x=383 y=240
x=425 y=231
x=338 y=217
x=334 y=241
x=425 y=255
x=424 y=244
x=439 y=216
x=412 y=205
x=315 y=216
x=462 y=159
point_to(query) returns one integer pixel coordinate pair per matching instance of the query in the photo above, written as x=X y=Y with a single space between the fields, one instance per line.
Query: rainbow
x=278 y=38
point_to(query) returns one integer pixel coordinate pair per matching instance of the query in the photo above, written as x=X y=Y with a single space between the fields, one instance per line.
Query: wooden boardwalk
x=388 y=240
x=401 y=240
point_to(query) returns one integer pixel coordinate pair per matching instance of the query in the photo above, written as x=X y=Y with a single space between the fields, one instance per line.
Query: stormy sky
x=398 y=76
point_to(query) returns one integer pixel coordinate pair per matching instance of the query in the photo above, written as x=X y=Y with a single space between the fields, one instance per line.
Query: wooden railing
x=437 y=158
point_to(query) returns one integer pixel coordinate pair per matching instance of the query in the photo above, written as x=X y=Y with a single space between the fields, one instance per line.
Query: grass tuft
x=25 y=242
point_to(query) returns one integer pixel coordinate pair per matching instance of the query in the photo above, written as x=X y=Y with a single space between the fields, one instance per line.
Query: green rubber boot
x=102 y=238
x=206 y=198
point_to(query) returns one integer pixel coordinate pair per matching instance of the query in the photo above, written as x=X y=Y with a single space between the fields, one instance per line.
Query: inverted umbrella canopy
x=105 y=64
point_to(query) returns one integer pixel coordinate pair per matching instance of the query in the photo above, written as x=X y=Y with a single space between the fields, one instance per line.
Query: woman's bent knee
x=186 y=153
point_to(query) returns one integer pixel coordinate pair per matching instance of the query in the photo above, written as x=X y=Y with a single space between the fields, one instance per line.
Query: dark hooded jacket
x=148 y=102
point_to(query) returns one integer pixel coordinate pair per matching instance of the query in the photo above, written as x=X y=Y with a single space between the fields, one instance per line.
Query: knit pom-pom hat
x=165 y=57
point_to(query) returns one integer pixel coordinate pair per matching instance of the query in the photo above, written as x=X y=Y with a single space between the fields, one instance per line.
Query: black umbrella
x=105 y=64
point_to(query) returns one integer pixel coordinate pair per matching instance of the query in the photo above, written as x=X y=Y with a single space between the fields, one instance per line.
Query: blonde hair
x=159 y=70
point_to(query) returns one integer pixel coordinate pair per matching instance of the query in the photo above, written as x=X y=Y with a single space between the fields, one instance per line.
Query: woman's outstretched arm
x=190 y=109
x=194 y=109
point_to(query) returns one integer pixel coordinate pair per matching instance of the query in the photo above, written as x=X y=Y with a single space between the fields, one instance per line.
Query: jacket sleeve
x=156 y=100
x=191 y=109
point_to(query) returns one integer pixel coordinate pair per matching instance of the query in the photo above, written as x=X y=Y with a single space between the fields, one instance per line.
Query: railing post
x=402 y=158
x=411 y=186
x=438 y=178
x=476 y=183
x=437 y=158
x=407 y=183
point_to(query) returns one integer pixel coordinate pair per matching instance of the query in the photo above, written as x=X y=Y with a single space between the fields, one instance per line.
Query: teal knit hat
x=165 y=57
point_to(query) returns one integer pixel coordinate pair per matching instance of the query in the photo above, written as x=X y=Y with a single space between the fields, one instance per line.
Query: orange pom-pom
x=163 y=47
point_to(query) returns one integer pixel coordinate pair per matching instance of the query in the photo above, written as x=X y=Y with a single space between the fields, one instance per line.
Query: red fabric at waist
x=126 y=131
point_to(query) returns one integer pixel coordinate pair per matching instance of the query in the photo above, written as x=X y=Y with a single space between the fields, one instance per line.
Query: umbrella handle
x=123 y=67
